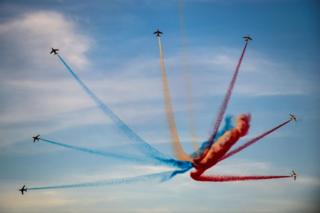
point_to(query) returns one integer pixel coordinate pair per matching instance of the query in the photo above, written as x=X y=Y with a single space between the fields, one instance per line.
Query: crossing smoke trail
x=140 y=144
x=227 y=126
x=219 y=151
x=213 y=154
x=252 y=141
x=177 y=147
x=223 y=178
x=158 y=177
x=227 y=97
x=204 y=158
x=127 y=157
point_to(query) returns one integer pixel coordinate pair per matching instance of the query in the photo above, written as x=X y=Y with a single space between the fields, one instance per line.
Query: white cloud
x=180 y=194
x=36 y=88
x=29 y=38
x=33 y=86
x=259 y=74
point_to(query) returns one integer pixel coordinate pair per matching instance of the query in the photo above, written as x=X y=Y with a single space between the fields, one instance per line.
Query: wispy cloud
x=46 y=92
x=260 y=74
x=28 y=38
x=27 y=66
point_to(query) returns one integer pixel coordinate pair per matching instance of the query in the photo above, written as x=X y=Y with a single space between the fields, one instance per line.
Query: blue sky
x=111 y=46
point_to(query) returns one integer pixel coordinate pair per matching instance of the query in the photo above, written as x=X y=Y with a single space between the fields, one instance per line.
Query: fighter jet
x=54 y=51
x=294 y=175
x=247 y=38
x=293 y=117
x=23 y=189
x=158 y=33
x=36 y=138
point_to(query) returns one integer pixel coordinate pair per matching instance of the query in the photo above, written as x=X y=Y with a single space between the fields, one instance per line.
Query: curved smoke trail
x=252 y=141
x=131 y=158
x=225 y=102
x=139 y=143
x=177 y=147
x=227 y=126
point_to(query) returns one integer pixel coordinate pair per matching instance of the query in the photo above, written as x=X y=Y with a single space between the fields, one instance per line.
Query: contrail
x=222 y=178
x=139 y=143
x=158 y=177
x=252 y=141
x=177 y=147
x=186 y=77
x=225 y=102
x=127 y=157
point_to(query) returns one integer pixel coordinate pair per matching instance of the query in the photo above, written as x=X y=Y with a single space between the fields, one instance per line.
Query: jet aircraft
x=158 y=33
x=293 y=117
x=54 y=51
x=294 y=175
x=247 y=38
x=36 y=138
x=23 y=189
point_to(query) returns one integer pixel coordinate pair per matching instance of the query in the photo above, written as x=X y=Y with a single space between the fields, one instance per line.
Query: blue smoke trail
x=101 y=153
x=158 y=177
x=131 y=158
x=176 y=172
x=227 y=126
x=142 y=145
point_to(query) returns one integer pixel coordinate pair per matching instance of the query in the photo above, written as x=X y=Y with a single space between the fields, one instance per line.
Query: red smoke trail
x=213 y=154
x=216 y=178
x=252 y=141
x=227 y=97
